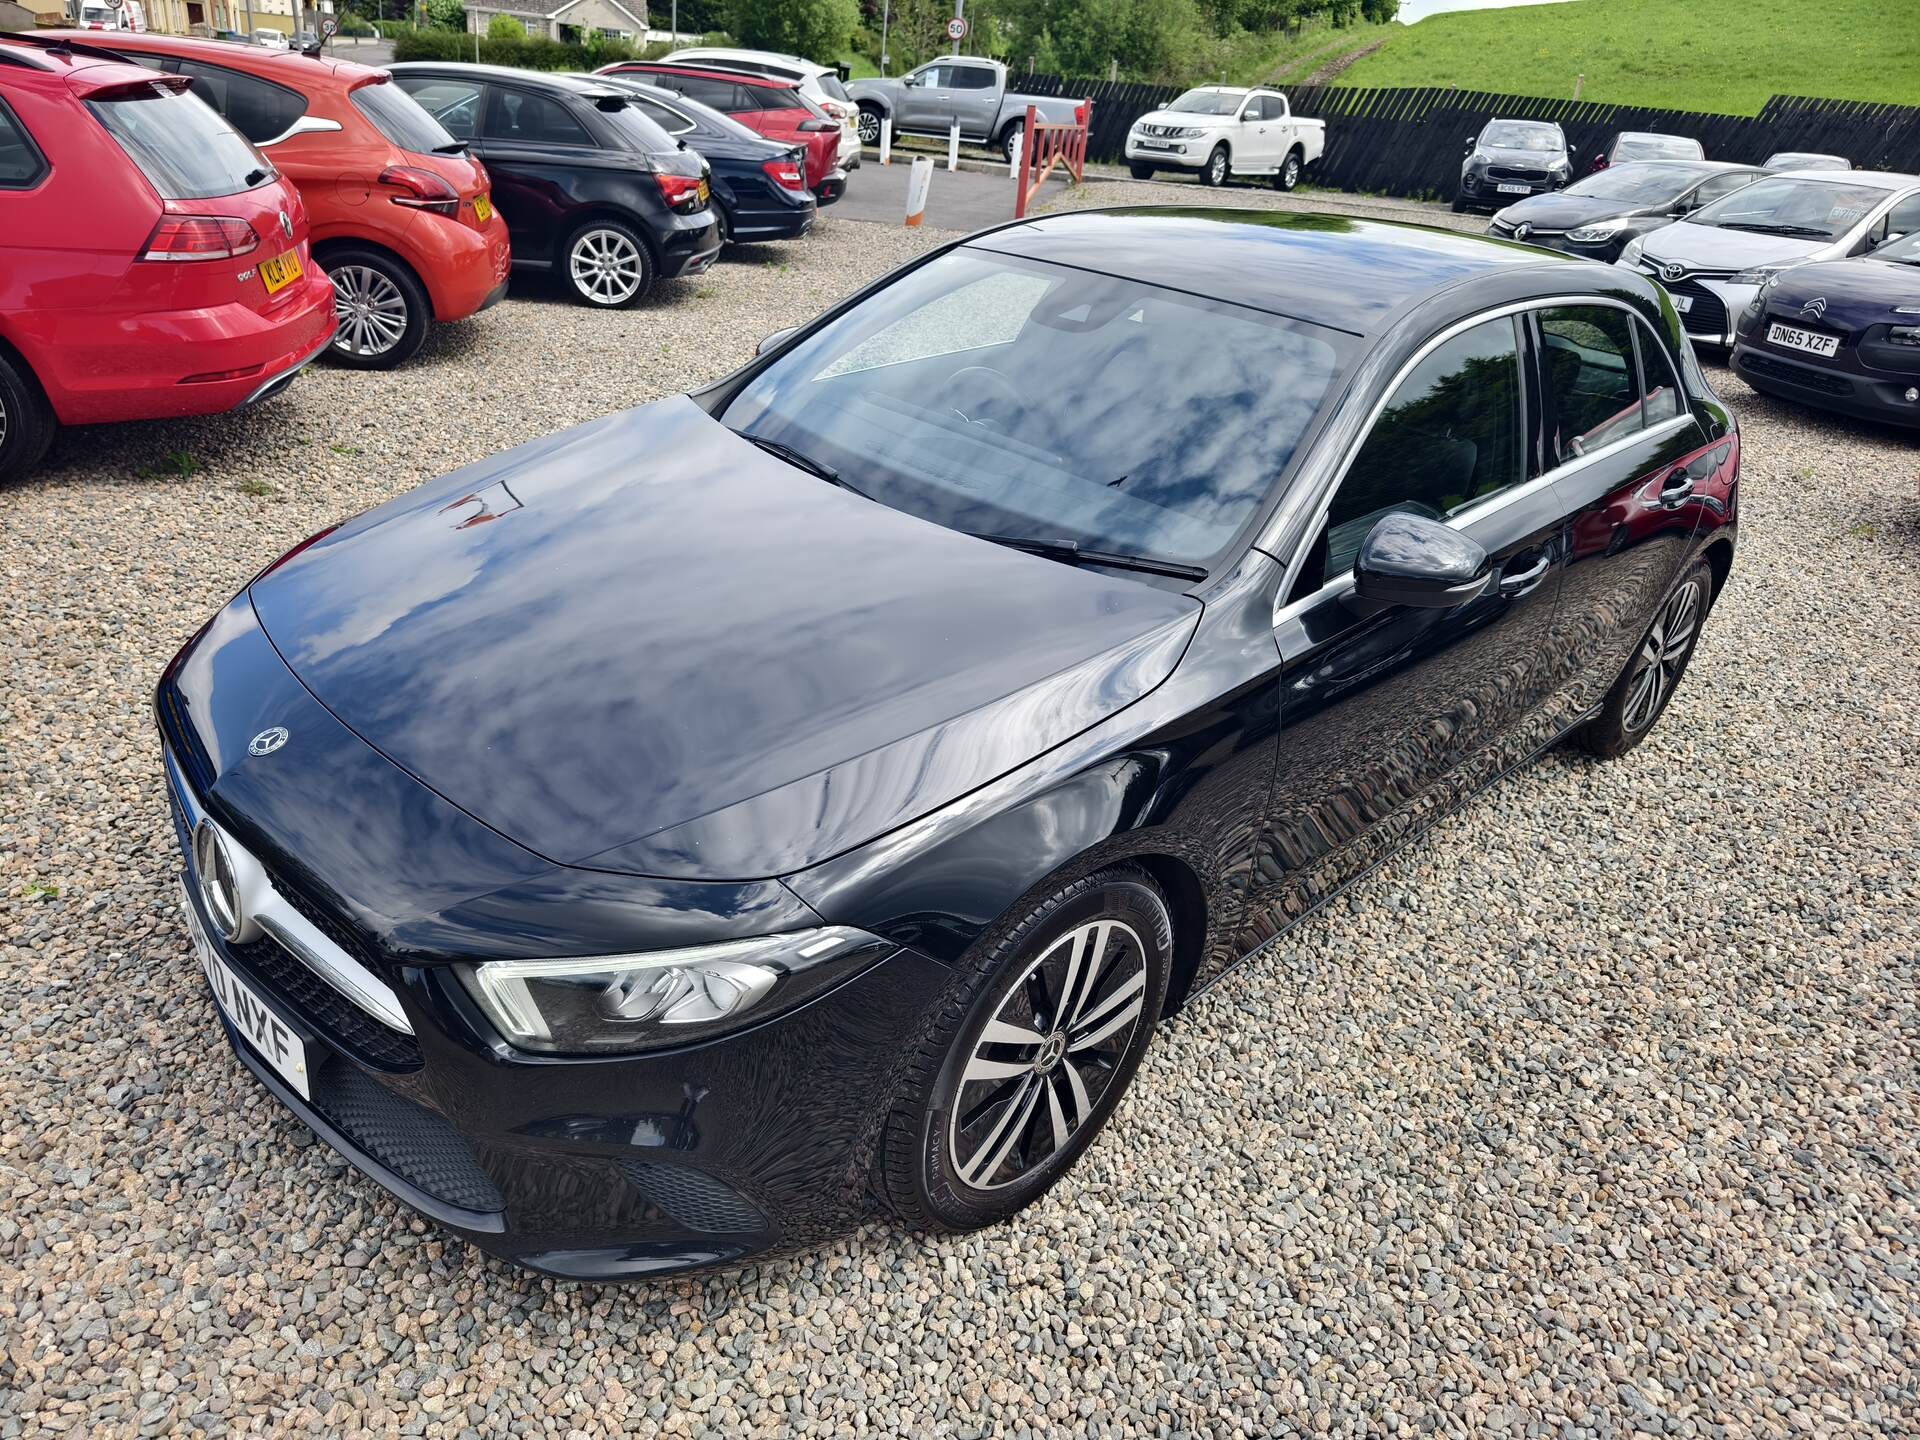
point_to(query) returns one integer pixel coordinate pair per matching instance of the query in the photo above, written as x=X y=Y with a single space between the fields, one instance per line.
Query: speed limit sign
x=956 y=29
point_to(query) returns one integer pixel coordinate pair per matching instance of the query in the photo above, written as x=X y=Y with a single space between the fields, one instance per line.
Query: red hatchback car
x=773 y=108
x=153 y=264
x=402 y=217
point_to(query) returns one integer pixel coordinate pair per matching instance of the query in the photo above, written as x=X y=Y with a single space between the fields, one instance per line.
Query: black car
x=587 y=184
x=1632 y=145
x=759 y=185
x=1597 y=215
x=1512 y=158
x=638 y=849
x=1839 y=334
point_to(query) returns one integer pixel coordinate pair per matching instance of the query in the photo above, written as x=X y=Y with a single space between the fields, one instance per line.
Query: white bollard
x=953 y=147
x=1019 y=142
x=919 y=181
x=886 y=140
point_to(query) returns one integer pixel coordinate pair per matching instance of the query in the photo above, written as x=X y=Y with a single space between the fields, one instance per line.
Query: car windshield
x=1207 y=102
x=399 y=117
x=186 y=151
x=1511 y=135
x=1656 y=147
x=1009 y=397
x=1636 y=184
x=1811 y=209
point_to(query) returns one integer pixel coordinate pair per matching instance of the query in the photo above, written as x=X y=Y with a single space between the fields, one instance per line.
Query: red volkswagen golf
x=153 y=264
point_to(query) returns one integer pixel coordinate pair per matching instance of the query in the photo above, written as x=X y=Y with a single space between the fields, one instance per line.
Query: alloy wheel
x=1293 y=171
x=1046 y=1056
x=869 y=128
x=606 y=266
x=1662 y=655
x=3 y=421
x=371 y=310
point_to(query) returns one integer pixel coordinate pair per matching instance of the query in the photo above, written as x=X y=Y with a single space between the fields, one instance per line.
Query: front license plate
x=1807 y=340
x=1506 y=189
x=1682 y=303
x=265 y=1032
x=280 y=271
x=482 y=209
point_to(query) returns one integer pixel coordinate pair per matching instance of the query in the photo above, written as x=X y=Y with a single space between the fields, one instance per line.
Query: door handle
x=1525 y=580
x=1678 y=486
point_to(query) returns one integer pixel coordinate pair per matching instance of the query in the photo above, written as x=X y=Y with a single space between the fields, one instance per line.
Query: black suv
x=587 y=184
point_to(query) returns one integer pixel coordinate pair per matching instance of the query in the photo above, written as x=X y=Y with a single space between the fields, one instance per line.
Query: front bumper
x=1827 y=386
x=1168 y=154
x=1477 y=188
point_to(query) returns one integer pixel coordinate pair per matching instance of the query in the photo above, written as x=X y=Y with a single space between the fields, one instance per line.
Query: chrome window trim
x=1487 y=505
x=304 y=125
x=296 y=934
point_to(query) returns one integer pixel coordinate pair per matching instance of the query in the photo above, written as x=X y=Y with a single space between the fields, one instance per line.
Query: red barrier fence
x=1044 y=145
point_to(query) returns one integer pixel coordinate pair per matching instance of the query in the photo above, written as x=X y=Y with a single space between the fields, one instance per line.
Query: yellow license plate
x=705 y=191
x=482 y=209
x=280 y=271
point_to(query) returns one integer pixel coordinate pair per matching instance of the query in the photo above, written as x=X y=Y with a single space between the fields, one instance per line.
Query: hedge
x=525 y=54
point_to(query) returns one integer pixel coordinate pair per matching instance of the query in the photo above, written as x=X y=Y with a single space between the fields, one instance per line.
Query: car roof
x=795 y=63
x=49 y=52
x=1873 y=179
x=1341 y=271
x=588 y=87
x=664 y=67
x=288 y=65
x=1680 y=163
x=1656 y=135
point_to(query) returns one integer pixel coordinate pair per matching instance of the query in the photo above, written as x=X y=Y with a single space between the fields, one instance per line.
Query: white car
x=272 y=39
x=1223 y=130
x=1716 y=261
x=819 y=83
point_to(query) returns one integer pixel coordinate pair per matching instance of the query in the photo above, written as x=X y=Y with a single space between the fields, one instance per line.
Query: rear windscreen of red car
x=185 y=150
x=399 y=117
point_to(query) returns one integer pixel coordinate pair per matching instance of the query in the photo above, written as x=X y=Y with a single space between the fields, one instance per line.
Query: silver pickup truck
x=927 y=101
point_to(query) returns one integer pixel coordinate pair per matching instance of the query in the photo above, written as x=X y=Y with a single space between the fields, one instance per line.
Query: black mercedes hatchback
x=654 y=844
x=590 y=188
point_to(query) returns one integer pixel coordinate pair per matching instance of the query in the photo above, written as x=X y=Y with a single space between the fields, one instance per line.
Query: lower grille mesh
x=1799 y=375
x=410 y=1140
x=692 y=1198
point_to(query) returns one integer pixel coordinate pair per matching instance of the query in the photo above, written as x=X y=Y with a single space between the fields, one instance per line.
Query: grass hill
x=1722 y=56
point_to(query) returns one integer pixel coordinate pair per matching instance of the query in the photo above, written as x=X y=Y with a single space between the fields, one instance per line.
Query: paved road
x=959 y=200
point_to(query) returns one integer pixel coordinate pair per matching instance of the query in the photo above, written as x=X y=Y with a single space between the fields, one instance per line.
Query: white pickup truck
x=1225 y=130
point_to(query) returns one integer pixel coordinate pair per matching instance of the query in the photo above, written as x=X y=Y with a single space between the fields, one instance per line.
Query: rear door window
x=1593 y=385
x=722 y=95
x=258 y=109
x=532 y=119
x=185 y=150
x=972 y=77
x=20 y=164
x=669 y=120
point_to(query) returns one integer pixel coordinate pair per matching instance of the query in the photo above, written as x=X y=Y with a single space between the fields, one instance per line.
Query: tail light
x=200 y=237
x=424 y=189
x=682 y=193
x=785 y=172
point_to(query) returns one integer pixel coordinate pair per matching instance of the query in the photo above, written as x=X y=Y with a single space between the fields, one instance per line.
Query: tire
x=723 y=223
x=383 y=310
x=1007 y=138
x=27 y=426
x=1139 y=171
x=1218 y=168
x=1459 y=205
x=869 y=125
x=1287 y=176
x=1639 y=697
x=607 y=265
x=958 y=1153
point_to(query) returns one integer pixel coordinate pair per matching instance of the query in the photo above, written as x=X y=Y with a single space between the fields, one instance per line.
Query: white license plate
x=1510 y=189
x=264 y=1031
x=1807 y=340
x=1682 y=303
x=1157 y=145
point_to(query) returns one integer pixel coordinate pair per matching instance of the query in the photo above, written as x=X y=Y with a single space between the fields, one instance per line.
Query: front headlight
x=1479 y=157
x=1631 y=254
x=1759 y=275
x=607 y=1003
x=1189 y=132
x=1598 y=231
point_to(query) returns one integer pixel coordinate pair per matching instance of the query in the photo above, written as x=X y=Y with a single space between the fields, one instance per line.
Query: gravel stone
x=1593 y=1114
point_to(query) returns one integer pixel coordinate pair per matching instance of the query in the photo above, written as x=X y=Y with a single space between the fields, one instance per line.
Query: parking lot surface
x=1595 y=1113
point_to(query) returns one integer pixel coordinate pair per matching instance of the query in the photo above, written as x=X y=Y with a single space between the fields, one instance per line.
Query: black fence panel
x=1409 y=141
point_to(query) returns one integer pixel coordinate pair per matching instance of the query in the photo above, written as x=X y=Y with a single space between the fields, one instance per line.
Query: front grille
x=1515 y=172
x=408 y=1139
x=339 y=1021
x=693 y=1199
x=1163 y=132
x=1804 y=377
x=1708 y=314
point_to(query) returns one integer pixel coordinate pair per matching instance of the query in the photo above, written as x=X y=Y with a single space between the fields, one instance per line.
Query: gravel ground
x=1593 y=1114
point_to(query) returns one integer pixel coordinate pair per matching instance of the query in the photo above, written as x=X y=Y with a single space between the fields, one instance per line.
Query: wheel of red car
x=607 y=265
x=382 y=309
x=26 y=424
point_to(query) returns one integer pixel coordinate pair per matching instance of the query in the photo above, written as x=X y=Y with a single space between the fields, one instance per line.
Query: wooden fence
x=1409 y=141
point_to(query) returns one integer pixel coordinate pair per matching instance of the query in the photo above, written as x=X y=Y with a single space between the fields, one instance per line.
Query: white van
x=129 y=15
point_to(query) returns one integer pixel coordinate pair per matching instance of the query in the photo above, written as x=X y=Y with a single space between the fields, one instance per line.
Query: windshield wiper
x=800 y=460
x=1074 y=553
x=1760 y=229
x=458 y=147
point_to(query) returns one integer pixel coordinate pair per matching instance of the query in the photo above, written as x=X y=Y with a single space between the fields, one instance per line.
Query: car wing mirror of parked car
x=1472 y=140
x=1411 y=560
x=775 y=340
x=305 y=125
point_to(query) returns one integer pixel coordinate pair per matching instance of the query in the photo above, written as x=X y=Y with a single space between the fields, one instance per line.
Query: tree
x=818 y=29
x=445 y=14
x=505 y=27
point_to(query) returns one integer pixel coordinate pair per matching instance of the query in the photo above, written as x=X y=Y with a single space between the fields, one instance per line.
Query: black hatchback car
x=759 y=185
x=588 y=185
x=641 y=848
x=1597 y=215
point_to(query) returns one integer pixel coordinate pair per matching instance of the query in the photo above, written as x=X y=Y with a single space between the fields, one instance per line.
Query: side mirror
x=1888 y=239
x=1472 y=140
x=1600 y=161
x=775 y=340
x=1411 y=560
